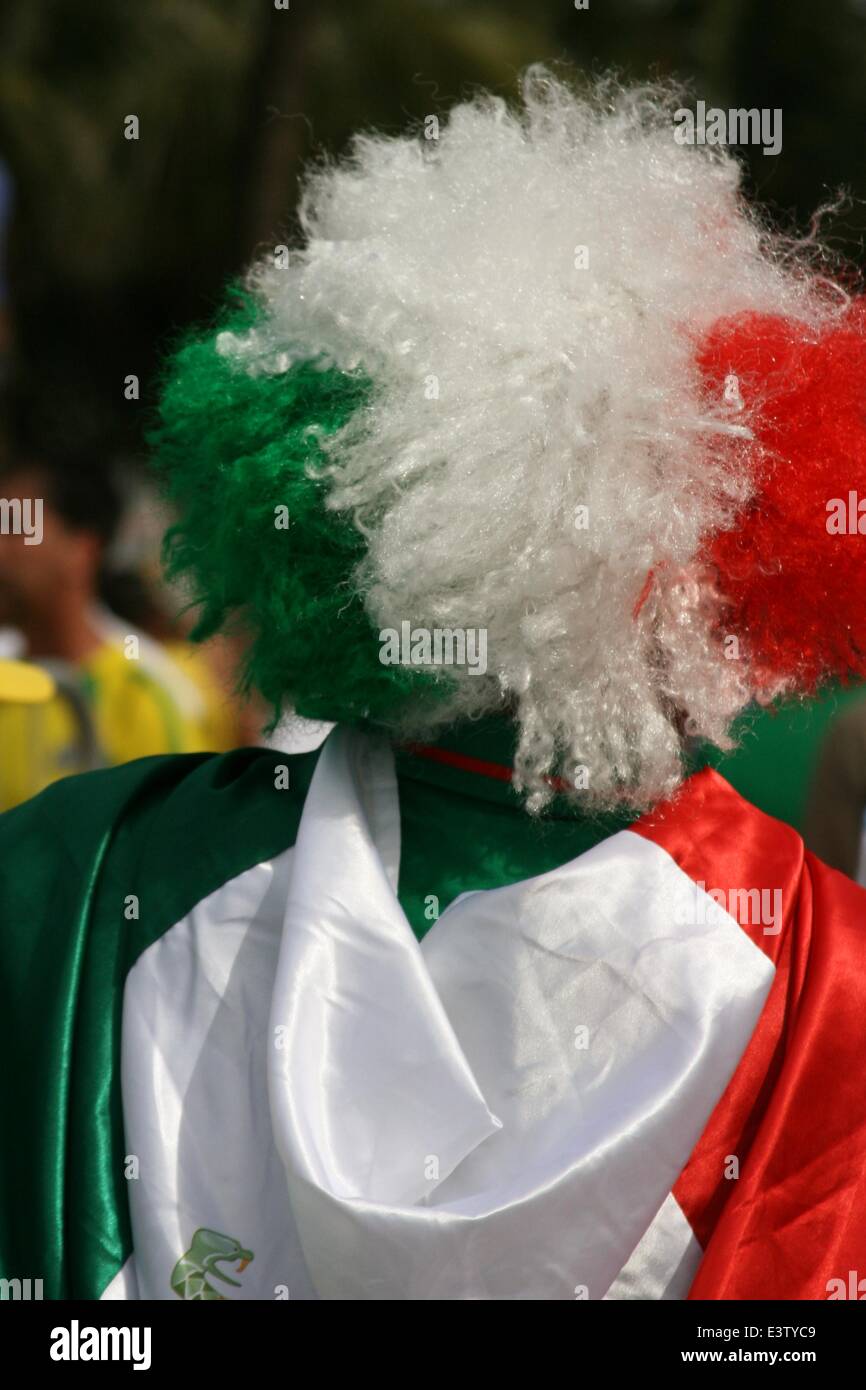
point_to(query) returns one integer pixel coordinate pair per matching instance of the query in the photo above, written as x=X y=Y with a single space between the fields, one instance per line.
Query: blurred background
x=110 y=246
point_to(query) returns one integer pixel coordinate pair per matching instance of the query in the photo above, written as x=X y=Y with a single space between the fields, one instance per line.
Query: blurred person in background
x=120 y=694
x=6 y=204
x=133 y=585
x=836 y=807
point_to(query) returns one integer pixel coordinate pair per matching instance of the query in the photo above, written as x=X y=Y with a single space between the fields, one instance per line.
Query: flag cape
x=239 y=1074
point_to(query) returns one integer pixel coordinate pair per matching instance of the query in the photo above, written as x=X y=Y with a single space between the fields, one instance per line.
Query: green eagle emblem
x=208 y=1249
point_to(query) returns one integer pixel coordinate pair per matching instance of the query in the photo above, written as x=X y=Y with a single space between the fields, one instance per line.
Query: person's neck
x=66 y=633
x=476 y=757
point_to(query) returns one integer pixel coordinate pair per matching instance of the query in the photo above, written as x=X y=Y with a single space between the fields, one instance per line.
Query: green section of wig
x=231 y=448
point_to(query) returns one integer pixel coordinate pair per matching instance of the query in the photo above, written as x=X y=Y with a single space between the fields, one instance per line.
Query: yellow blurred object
x=107 y=710
x=23 y=684
x=219 y=717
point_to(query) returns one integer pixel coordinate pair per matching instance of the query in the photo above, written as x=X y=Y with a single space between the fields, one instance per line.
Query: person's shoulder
x=223 y=812
x=246 y=772
x=718 y=837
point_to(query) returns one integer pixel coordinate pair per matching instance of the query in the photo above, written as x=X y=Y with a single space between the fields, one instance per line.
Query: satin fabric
x=170 y=831
x=792 y=1224
x=160 y=833
x=194 y=1076
x=453 y=1141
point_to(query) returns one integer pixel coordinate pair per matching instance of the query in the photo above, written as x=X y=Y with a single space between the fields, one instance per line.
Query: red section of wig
x=797 y=592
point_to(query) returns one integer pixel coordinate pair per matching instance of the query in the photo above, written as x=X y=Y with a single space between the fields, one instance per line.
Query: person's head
x=57 y=517
x=541 y=384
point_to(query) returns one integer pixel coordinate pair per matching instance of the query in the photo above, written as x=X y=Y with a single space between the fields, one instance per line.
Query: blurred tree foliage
x=118 y=243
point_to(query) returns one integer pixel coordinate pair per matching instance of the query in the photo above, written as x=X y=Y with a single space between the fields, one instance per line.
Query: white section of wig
x=514 y=386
